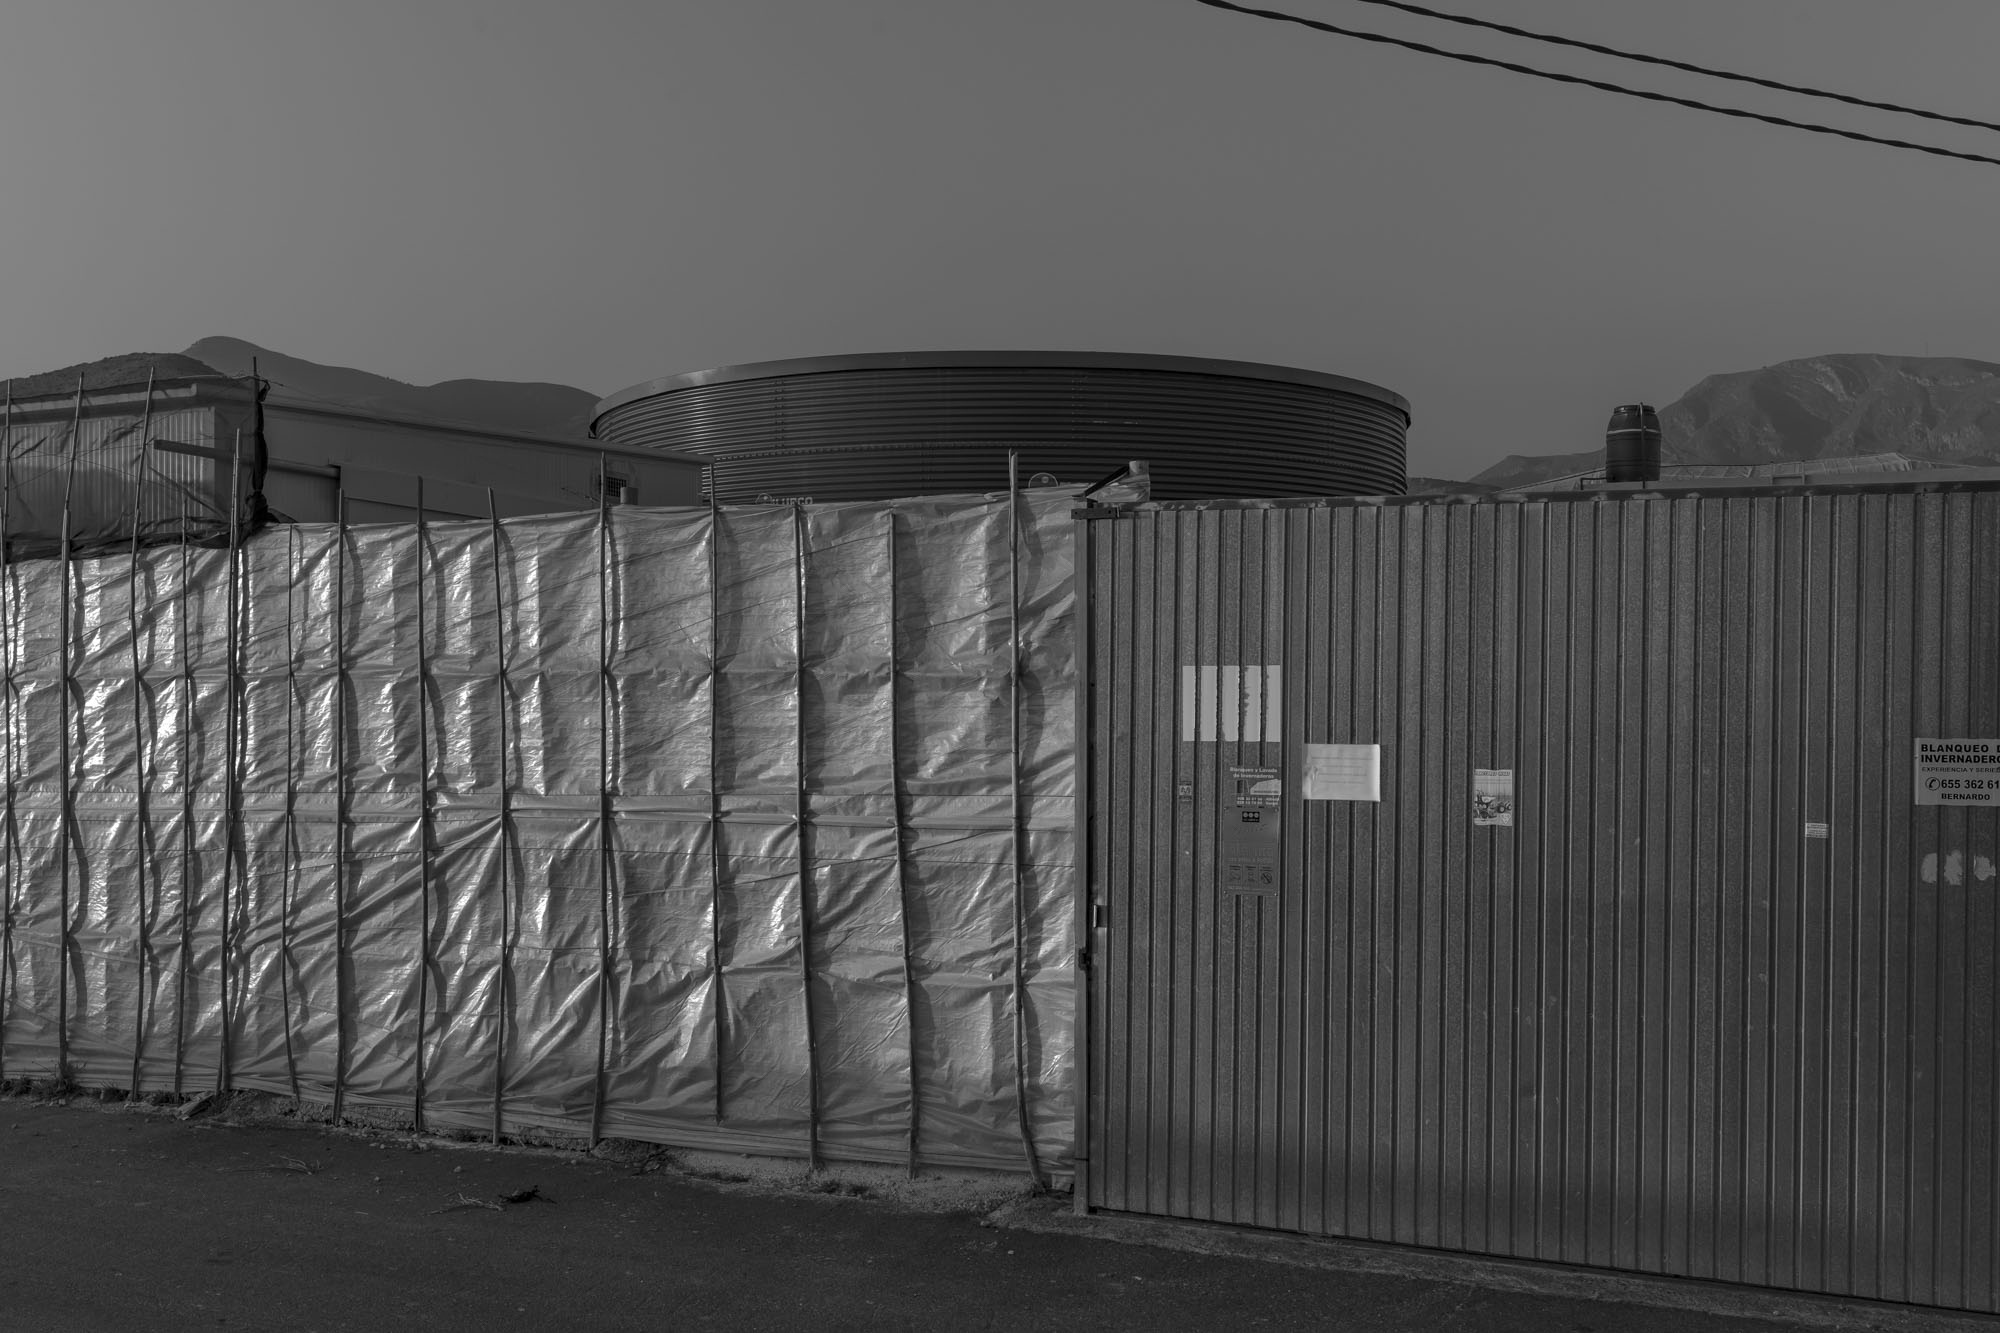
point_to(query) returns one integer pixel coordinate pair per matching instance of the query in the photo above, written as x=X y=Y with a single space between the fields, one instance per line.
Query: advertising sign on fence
x=1958 y=772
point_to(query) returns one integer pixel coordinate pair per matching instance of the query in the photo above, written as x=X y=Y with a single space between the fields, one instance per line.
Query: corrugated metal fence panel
x=1659 y=1023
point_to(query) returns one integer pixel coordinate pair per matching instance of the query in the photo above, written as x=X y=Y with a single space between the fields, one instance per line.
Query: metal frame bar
x=804 y=844
x=899 y=817
x=715 y=791
x=232 y=824
x=140 y=736
x=424 y=841
x=1084 y=575
x=1017 y=818
x=501 y=992
x=66 y=657
x=604 y=876
x=8 y=605
x=341 y=805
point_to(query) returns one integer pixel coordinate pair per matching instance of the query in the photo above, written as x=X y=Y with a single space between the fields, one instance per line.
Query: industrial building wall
x=317 y=452
x=1646 y=956
x=743 y=829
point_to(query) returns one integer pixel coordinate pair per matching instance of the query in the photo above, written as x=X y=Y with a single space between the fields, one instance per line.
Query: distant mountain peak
x=1840 y=405
x=111 y=372
x=544 y=409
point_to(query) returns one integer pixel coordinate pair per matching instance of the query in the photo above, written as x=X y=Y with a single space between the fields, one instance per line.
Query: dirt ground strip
x=238 y=1210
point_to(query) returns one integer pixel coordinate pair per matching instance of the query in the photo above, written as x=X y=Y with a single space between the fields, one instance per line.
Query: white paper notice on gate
x=1343 y=773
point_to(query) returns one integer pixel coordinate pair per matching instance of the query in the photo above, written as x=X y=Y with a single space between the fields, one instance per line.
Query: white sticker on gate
x=1242 y=704
x=1343 y=773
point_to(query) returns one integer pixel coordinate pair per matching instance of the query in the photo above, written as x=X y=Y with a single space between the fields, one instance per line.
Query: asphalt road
x=123 y=1218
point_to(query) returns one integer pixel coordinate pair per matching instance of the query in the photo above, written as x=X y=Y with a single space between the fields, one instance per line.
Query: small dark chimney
x=1632 y=444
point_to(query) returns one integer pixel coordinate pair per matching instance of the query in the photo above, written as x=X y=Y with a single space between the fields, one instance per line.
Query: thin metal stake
x=1020 y=830
x=715 y=791
x=68 y=795
x=7 y=606
x=603 y=801
x=340 y=804
x=141 y=739
x=899 y=818
x=232 y=739
x=804 y=841
x=502 y=997
x=291 y=880
x=1084 y=786
x=187 y=806
x=423 y=818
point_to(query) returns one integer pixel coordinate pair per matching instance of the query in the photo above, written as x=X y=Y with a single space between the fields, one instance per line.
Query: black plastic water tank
x=1632 y=444
x=878 y=426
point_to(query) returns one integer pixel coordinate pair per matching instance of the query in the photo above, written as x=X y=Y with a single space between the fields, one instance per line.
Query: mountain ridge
x=1836 y=405
x=523 y=407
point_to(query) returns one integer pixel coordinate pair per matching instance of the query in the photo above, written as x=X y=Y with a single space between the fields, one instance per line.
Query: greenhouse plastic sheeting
x=98 y=471
x=745 y=829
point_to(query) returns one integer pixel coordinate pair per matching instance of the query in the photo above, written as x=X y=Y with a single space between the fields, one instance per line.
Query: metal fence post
x=1084 y=784
x=232 y=823
x=501 y=995
x=187 y=805
x=898 y=819
x=289 y=893
x=65 y=645
x=1017 y=816
x=423 y=819
x=341 y=811
x=8 y=604
x=604 y=852
x=140 y=741
x=715 y=792
x=801 y=820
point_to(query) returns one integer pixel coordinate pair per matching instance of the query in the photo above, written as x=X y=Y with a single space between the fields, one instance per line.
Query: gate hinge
x=1089 y=512
x=1083 y=960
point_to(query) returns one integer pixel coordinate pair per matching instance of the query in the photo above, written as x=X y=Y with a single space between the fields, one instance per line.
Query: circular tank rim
x=823 y=365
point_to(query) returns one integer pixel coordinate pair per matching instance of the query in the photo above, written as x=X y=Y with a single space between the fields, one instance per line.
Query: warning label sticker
x=1957 y=772
x=1247 y=827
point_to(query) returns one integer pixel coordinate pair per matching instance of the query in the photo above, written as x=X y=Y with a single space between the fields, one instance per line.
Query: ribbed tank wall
x=863 y=432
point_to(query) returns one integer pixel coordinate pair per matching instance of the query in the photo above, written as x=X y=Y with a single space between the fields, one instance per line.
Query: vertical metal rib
x=423 y=817
x=340 y=804
x=232 y=821
x=141 y=739
x=62 y=1070
x=291 y=839
x=187 y=804
x=501 y=995
x=898 y=816
x=1016 y=815
x=715 y=792
x=12 y=831
x=804 y=843
x=603 y=801
x=1083 y=793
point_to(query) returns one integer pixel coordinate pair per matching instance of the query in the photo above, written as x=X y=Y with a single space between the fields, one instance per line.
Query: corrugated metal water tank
x=882 y=425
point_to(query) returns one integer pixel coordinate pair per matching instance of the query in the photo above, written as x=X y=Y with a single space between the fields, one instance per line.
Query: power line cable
x=1598 y=84
x=1555 y=39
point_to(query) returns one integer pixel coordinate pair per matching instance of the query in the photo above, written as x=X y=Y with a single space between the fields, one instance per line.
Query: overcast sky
x=598 y=192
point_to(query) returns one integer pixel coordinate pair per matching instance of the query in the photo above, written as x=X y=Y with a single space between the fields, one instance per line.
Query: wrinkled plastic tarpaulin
x=691 y=827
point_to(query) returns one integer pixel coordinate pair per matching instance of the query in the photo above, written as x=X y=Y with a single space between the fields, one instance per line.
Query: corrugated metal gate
x=1719 y=1001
